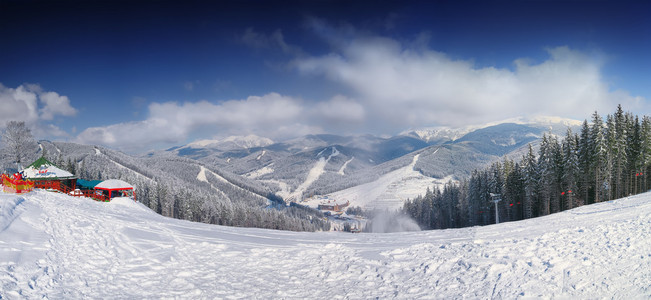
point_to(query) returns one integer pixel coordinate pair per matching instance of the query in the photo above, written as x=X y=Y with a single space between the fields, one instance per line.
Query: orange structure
x=16 y=184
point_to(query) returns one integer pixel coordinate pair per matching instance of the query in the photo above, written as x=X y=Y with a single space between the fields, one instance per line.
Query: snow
x=54 y=246
x=453 y=134
x=114 y=184
x=313 y=175
x=260 y=172
x=202 y=177
x=232 y=142
x=202 y=143
x=48 y=172
x=98 y=152
x=391 y=189
x=343 y=168
x=261 y=154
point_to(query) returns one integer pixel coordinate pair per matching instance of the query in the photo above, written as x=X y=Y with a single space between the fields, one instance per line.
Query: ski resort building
x=47 y=175
x=115 y=188
x=333 y=205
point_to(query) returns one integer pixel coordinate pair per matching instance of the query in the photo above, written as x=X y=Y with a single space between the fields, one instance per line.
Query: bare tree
x=17 y=139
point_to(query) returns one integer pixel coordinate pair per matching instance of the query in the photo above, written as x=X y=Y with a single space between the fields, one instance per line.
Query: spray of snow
x=385 y=222
x=261 y=154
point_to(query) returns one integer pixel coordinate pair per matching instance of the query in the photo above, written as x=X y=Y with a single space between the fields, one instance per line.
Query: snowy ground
x=58 y=247
x=391 y=190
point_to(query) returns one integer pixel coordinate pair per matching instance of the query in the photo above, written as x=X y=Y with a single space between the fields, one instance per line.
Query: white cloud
x=340 y=110
x=404 y=86
x=29 y=103
x=54 y=104
x=271 y=115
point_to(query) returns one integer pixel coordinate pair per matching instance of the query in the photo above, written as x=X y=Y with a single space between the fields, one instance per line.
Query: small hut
x=47 y=175
x=116 y=188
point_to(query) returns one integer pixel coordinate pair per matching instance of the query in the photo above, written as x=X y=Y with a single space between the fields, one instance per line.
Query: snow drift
x=54 y=246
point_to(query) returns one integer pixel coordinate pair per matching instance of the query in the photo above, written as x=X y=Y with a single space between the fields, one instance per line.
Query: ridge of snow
x=113 y=184
x=55 y=246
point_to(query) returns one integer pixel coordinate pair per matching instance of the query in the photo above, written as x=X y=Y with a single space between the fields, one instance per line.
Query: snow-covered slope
x=54 y=246
x=391 y=189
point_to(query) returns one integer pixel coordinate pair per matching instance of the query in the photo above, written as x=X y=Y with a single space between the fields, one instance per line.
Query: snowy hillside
x=391 y=189
x=54 y=246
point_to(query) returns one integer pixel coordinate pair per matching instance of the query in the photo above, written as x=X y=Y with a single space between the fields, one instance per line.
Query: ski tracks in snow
x=63 y=247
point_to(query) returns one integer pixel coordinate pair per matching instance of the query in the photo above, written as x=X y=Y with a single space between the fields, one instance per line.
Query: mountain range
x=324 y=164
x=234 y=181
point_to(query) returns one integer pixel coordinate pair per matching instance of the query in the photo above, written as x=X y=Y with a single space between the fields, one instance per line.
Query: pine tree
x=571 y=170
x=585 y=157
x=531 y=183
x=619 y=152
x=633 y=149
x=598 y=159
x=645 y=151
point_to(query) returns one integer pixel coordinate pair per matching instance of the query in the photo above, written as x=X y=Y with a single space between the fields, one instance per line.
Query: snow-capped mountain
x=442 y=134
x=232 y=143
x=444 y=154
x=53 y=246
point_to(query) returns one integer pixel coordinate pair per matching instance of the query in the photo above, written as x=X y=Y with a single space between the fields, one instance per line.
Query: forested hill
x=185 y=189
x=605 y=160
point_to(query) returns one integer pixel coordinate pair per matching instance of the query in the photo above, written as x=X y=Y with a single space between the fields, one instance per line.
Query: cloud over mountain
x=410 y=84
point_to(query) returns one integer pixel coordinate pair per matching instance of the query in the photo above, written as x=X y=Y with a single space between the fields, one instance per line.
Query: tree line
x=605 y=160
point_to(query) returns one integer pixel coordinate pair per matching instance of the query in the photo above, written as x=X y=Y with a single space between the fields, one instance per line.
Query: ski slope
x=313 y=175
x=392 y=189
x=58 y=247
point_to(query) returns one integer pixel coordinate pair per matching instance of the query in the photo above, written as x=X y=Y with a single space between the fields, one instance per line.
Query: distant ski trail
x=392 y=189
x=202 y=177
x=341 y=170
x=313 y=175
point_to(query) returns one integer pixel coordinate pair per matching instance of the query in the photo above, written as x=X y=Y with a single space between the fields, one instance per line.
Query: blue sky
x=142 y=75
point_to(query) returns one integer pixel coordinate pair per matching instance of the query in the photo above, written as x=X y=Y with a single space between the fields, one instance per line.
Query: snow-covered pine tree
x=531 y=181
x=645 y=151
x=585 y=158
x=618 y=148
x=598 y=160
x=633 y=150
x=571 y=170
